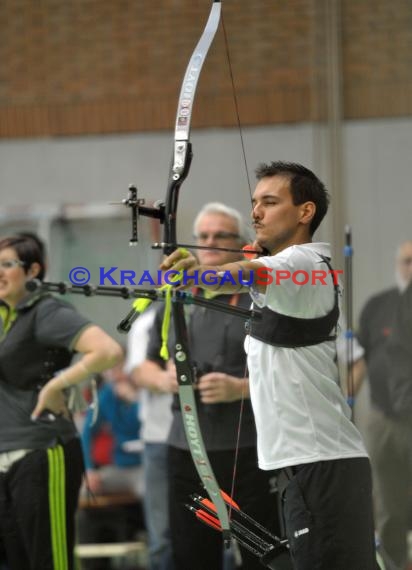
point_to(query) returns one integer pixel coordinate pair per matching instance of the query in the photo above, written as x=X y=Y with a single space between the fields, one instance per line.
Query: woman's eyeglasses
x=10 y=263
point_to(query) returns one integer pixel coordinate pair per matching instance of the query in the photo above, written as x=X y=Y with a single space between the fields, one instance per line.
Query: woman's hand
x=51 y=397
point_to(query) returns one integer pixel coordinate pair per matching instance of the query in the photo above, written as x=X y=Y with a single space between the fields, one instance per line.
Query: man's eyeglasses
x=406 y=261
x=10 y=263
x=218 y=236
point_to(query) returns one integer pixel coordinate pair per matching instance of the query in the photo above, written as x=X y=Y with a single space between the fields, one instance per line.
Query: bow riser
x=181 y=161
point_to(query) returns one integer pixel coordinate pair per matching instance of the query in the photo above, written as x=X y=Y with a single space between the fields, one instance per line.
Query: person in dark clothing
x=385 y=332
x=41 y=462
x=400 y=351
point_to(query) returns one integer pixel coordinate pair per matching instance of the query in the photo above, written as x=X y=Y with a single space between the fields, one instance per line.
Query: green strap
x=7 y=317
x=141 y=305
x=57 y=506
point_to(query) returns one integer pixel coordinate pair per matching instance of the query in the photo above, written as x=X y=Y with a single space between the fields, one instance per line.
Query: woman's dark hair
x=305 y=186
x=29 y=248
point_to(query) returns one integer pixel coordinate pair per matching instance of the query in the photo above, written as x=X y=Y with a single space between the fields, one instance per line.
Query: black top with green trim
x=36 y=341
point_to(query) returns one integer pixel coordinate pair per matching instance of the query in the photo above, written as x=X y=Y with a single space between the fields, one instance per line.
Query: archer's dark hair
x=29 y=248
x=305 y=186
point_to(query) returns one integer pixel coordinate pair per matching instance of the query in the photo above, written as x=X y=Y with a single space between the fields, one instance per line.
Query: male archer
x=303 y=422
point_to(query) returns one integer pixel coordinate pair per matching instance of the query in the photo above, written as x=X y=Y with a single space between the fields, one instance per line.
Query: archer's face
x=217 y=230
x=277 y=221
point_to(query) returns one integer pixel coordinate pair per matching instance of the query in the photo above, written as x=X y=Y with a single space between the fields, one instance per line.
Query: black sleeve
x=58 y=323
x=399 y=353
x=155 y=339
x=362 y=334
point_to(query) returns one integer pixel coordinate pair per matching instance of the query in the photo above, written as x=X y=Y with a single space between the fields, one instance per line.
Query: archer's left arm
x=225 y=279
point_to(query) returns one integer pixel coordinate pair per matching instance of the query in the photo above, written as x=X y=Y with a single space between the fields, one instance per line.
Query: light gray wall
x=99 y=169
x=377 y=154
x=377 y=162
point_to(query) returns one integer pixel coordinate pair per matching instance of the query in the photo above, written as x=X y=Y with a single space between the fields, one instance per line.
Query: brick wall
x=377 y=57
x=100 y=66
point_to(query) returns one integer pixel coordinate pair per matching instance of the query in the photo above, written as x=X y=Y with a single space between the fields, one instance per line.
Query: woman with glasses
x=41 y=461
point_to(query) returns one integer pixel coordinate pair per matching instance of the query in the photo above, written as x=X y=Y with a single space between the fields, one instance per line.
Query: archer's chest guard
x=285 y=331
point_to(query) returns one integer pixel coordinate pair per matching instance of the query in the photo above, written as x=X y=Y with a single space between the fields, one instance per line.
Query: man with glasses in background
x=388 y=364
